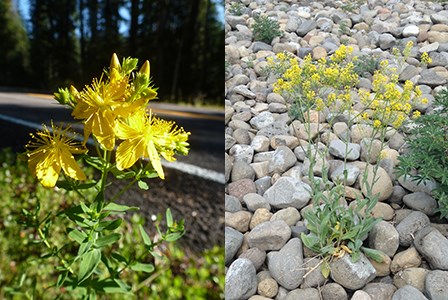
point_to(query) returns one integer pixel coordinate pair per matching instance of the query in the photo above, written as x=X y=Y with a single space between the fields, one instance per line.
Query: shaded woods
x=66 y=42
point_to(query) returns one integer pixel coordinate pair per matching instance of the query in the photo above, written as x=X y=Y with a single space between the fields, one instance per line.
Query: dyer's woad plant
x=325 y=88
x=128 y=143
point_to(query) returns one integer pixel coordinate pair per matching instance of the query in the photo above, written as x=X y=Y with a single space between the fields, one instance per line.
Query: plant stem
x=44 y=239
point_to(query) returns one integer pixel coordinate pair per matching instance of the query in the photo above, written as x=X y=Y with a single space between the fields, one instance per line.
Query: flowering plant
x=327 y=89
x=114 y=113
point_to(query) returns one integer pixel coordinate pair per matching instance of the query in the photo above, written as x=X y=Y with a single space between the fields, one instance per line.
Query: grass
x=179 y=274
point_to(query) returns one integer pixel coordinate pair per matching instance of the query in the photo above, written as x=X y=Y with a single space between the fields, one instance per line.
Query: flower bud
x=114 y=62
x=73 y=91
x=145 y=68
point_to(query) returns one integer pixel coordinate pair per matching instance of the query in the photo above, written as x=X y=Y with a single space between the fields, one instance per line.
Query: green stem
x=44 y=239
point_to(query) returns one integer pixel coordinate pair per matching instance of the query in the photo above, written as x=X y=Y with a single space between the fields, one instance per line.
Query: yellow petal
x=70 y=166
x=47 y=172
x=128 y=152
x=155 y=159
x=102 y=128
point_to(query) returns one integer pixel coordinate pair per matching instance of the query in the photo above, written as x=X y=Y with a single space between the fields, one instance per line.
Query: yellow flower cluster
x=425 y=59
x=310 y=82
x=112 y=108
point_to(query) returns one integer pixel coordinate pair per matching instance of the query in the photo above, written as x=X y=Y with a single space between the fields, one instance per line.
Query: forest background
x=56 y=43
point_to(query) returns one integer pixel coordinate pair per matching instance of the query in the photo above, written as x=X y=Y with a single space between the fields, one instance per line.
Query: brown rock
x=408 y=258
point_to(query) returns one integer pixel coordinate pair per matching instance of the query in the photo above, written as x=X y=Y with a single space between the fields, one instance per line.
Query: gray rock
x=352 y=174
x=412 y=185
x=260 y=143
x=255 y=255
x=430 y=243
x=229 y=142
x=238 y=220
x=286 y=265
x=384 y=237
x=408 y=73
x=244 y=91
x=260 y=46
x=233 y=242
x=235 y=20
x=288 y=192
x=408 y=292
x=380 y=291
x=242 y=152
x=241 y=187
x=254 y=201
x=387 y=41
x=333 y=291
x=397 y=195
x=241 y=280
x=431 y=78
x=314 y=276
x=408 y=258
x=436 y=285
x=339 y=149
x=411 y=276
x=232 y=204
x=438 y=59
x=228 y=164
x=276 y=128
x=271 y=235
x=411 y=30
x=242 y=170
x=292 y=24
x=361 y=295
x=282 y=159
x=263 y=184
x=305 y=27
x=290 y=215
x=370 y=150
x=422 y=202
x=242 y=136
x=262 y=120
x=352 y=275
x=309 y=294
x=429 y=48
x=440 y=17
x=410 y=225
x=380 y=183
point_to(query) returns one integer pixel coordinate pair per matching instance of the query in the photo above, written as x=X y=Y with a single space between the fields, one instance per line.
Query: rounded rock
x=410 y=225
x=241 y=280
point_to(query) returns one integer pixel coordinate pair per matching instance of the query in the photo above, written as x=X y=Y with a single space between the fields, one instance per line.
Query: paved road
x=198 y=198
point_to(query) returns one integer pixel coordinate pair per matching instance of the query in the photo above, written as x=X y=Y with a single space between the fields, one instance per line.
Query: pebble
x=411 y=276
x=270 y=235
x=436 y=285
x=333 y=291
x=380 y=291
x=432 y=245
x=282 y=159
x=290 y=215
x=233 y=241
x=408 y=258
x=254 y=201
x=381 y=184
x=286 y=265
x=361 y=295
x=255 y=255
x=238 y=220
x=308 y=293
x=408 y=292
x=384 y=237
x=241 y=280
x=340 y=149
x=288 y=192
x=422 y=202
x=352 y=275
x=260 y=215
x=314 y=277
x=408 y=228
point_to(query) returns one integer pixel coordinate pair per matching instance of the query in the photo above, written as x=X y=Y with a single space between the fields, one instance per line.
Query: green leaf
x=146 y=239
x=374 y=254
x=88 y=264
x=77 y=235
x=121 y=174
x=325 y=269
x=169 y=218
x=171 y=237
x=109 y=225
x=84 y=247
x=139 y=267
x=96 y=162
x=143 y=185
x=111 y=206
x=119 y=257
x=61 y=278
x=107 y=240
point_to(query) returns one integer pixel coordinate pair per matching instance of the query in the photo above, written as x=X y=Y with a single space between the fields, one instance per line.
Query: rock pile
x=267 y=186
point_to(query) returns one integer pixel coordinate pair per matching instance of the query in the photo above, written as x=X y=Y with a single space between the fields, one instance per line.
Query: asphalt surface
x=197 y=198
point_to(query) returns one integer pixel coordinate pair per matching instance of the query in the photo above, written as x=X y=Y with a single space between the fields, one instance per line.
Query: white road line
x=179 y=166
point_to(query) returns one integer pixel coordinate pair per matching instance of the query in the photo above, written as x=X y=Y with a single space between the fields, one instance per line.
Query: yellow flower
x=100 y=104
x=377 y=123
x=425 y=59
x=147 y=136
x=52 y=150
x=416 y=114
x=424 y=101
